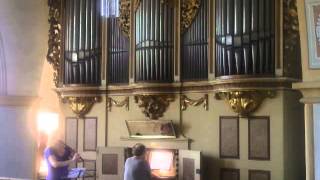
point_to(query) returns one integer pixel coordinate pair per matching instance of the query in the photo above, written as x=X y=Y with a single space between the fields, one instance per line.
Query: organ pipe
x=82 y=42
x=244 y=37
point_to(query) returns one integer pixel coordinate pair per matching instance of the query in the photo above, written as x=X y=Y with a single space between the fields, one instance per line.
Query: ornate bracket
x=189 y=10
x=81 y=105
x=185 y=102
x=245 y=102
x=153 y=106
x=111 y=102
x=124 y=19
x=54 y=42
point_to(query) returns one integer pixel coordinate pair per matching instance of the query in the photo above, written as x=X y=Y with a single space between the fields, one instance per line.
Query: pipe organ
x=82 y=47
x=154 y=41
x=118 y=53
x=194 y=46
x=245 y=37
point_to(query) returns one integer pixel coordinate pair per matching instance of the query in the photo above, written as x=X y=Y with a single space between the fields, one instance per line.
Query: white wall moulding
x=18 y=100
x=309 y=90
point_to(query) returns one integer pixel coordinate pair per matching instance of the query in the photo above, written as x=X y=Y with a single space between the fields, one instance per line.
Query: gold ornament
x=54 y=42
x=111 y=102
x=153 y=106
x=244 y=102
x=81 y=105
x=185 y=102
x=189 y=10
x=124 y=19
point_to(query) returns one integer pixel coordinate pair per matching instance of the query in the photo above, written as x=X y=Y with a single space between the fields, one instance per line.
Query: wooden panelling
x=90 y=134
x=229 y=137
x=259 y=175
x=259 y=138
x=229 y=174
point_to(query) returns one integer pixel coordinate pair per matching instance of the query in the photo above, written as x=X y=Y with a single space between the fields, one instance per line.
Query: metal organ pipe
x=154 y=41
x=82 y=45
x=244 y=37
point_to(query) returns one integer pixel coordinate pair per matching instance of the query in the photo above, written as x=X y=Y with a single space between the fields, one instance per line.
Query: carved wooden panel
x=188 y=169
x=90 y=134
x=71 y=132
x=229 y=174
x=110 y=164
x=259 y=138
x=229 y=137
x=90 y=166
x=259 y=175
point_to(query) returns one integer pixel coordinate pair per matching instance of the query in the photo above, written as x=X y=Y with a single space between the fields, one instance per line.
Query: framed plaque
x=90 y=134
x=259 y=138
x=259 y=175
x=229 y=174
x=229 y=137
x=71 y=132
x=313 y=28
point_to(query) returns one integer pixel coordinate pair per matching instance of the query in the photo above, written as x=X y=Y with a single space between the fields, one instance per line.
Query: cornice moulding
x=18 y=100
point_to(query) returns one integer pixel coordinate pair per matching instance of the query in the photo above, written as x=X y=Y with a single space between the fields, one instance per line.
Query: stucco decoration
x=154 y=106
x=3 y=70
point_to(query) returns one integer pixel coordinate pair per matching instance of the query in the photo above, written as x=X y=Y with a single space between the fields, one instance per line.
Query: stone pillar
x=309 y=142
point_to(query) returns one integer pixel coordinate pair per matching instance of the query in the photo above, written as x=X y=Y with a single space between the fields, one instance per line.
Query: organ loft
x=214 y=89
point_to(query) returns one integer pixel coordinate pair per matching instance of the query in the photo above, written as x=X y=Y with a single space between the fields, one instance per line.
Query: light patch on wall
x=47 y=122
x=3 y=70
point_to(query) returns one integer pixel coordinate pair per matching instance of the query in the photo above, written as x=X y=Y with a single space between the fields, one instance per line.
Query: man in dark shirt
x=136 y=167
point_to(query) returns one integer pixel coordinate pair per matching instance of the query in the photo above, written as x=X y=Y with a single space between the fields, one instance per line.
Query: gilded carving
x=81 y=105
x=124 y=19
x=124 y=103
x=185 y=102
x=291 y=23
x=54 y=42
x=244 y=102
x=153 y=106
x=189 y=10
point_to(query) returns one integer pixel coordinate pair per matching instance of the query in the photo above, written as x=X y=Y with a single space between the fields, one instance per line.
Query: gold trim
x=124 y=19
x=185 y=102
x=189 y=10
x=81 y=105
x=245 y=102
x=154 y=106
x=54 y=42
x=124 y=103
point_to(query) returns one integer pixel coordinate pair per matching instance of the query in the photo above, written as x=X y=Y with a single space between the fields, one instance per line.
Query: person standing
x=136 y=167
x=58 y=159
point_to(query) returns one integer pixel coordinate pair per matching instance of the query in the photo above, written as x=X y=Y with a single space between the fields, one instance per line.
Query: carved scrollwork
x=189 y=10
x=245 y=102
x=185 y=102
x=291 y=24
x=54 y=42
x=153 y=106
x=81 y=105
x=124 y=19
x=124 y=103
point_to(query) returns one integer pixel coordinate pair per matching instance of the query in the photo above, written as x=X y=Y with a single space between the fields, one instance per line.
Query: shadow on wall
x=3 y=71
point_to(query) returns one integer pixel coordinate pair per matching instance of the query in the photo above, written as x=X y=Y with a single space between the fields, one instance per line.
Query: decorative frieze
x=154 y=106
x=245 y=102
x=124 y=103
x=185 y=102
x=81 y=105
